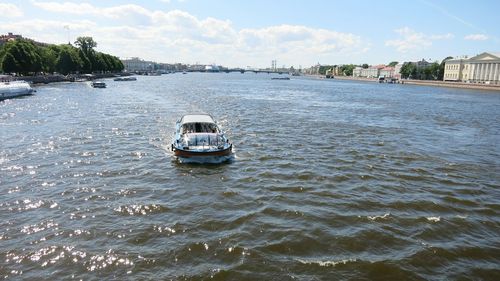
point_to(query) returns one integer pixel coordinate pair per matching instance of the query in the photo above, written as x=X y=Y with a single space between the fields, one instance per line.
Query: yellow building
x=483 y=68
x=453 y=70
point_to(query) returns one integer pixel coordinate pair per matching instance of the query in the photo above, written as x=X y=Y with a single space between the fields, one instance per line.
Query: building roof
x=380 y=66
x=197 y=118
x=485 y=56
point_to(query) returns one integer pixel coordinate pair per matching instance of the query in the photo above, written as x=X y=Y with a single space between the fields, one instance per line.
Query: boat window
x=199 y=128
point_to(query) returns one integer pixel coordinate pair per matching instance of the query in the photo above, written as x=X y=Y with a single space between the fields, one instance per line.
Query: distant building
x=196 y=67
x=483 y=68
x=422 y=64
x=453 y=70
x=397 y=71
x=336 y=70
x=372 y=71
x=136 y=64
x=313 y=70
x=356 y=72
x=211 y=68
x=9 y=37
x=387 y=72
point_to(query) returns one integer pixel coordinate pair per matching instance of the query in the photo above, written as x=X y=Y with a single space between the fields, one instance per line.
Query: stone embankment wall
x=477 y=86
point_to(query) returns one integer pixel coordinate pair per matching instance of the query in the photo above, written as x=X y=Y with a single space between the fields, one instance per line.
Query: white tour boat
x=98 y=84
x=14 y=89
x=198 y=135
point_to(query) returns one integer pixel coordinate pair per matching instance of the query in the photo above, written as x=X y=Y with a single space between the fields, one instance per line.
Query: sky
x=253 y=33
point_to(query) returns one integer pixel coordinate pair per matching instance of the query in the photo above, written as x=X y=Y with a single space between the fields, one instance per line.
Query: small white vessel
x=14 y=89
x=199 y=136
x=98 y=84
x=125 y=79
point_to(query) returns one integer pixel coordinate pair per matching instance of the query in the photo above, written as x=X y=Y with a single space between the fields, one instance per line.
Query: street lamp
x=67 y=28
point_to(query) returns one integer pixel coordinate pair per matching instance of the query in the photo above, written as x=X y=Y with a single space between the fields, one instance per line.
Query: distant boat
x=125 y=79
x=98 y=84
x=198 y=136
x=15 y=89
x=280 y=78
x=184 y=72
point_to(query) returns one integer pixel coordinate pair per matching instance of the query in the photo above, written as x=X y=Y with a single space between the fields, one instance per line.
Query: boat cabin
x=199 y=123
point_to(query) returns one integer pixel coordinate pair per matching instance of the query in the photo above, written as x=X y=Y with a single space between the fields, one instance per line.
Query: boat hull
x=4 y=96
x=10 y=90
x=193 y=153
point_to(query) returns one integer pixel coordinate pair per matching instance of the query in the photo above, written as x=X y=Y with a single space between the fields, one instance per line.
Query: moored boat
x=199 y=136
x=125 y=79
x=98 y=84
x=14 y=89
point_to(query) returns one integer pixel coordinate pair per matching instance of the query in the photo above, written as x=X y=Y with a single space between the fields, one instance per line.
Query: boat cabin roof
x=197 y=118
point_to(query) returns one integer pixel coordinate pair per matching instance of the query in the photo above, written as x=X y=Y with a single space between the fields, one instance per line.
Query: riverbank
x=52 y=78
x=460 y=85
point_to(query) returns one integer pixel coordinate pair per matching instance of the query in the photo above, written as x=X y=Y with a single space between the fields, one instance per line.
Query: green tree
x=432 y=71
x=408 y=70
x=9 y=64
x=347 y=69
x=87 y=53
x=392 y=63
x=25 y=55
x=68 y=61
x=48 y=58
x=86 y=63
x=441 y=68
x=365 y=65
x=98 y=63
x=86 y=44
x=324 y=68
x=117 y=64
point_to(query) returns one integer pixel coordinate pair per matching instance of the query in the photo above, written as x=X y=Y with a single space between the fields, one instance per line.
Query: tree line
x=345 y=69
x=24 y=57
x=434 y=71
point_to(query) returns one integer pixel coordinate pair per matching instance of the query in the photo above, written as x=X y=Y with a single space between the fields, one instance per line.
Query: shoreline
x=46 y=79
x=458 y=85
x=54 y=78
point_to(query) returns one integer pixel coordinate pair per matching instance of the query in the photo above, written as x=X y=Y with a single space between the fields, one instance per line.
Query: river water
x=331 y=180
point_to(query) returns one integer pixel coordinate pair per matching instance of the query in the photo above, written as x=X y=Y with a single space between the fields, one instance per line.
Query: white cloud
x=442 y=36
x=476 y=37
x=412 y=40
x=88 y=9
x=66 y=7
x=50 y=31
x=177 y=36
x=10 y=10
x=296 y=38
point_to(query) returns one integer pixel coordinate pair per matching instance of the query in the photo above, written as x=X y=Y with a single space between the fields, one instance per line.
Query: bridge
x=239 y=70
x=254 y=71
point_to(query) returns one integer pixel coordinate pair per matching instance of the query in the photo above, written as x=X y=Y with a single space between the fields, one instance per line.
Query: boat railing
x=203 y=139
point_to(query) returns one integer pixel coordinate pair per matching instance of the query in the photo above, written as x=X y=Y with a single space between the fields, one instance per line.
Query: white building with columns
x=137 y=64
x=483 y=68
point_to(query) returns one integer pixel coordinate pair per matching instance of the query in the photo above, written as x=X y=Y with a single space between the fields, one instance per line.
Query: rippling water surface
x=331 y=180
